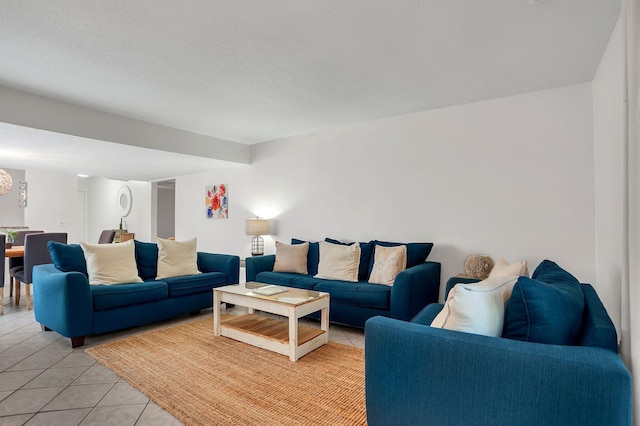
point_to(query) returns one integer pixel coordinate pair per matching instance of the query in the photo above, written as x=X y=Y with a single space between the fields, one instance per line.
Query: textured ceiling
x=254 y=70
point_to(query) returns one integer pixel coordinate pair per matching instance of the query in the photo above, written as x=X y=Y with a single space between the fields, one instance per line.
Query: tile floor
x=43 y=381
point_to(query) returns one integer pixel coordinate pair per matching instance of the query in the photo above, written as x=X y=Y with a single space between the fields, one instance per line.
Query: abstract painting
x=217 y=201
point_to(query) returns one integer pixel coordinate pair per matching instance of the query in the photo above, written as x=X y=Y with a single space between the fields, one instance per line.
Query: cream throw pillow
x=111 y=263
x=502 y=268
x=388 y=262
x=177 y=258
x=339 y=262
x=291 y=258
x=477 y=308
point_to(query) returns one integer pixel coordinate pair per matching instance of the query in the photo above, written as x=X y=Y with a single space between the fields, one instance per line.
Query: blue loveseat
x=416 y=374
x=66 y=303
x=352 y=303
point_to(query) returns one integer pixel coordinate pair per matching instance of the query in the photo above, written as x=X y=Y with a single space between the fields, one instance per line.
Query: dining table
x=14 y=251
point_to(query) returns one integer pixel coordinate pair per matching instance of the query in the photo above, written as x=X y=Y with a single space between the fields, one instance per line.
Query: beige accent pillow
x=339 y=262
x=291 y=258
x=477 y=308
x=177 y=258
x=111 y=263
x=502 y=268
x=388 y=262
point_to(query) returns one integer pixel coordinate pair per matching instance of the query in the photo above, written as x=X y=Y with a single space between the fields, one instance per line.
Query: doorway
x=166 y=217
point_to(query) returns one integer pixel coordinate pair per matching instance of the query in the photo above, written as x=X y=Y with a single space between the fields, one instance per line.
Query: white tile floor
x=43 y=381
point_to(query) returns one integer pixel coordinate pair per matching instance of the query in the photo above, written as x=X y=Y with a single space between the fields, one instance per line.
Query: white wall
x=511 y=177
x=10 y=213
x=102 y=211
x=51 y=202
x=610 y=174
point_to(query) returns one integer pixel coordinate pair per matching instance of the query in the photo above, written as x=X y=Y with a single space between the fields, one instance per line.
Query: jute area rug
x=205 y=380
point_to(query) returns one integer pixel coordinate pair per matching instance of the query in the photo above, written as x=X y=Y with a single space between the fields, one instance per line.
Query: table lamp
x=257 y=227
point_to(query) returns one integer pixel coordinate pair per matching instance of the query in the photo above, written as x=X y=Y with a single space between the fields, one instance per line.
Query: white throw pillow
x=502 y=268
x=476 y=308
x=111 y=263
x=291 y=258
x=388 y=262
x=177 y=258
x=339 y=262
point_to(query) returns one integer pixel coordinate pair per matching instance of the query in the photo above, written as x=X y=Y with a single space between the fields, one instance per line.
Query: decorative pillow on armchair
x=476 y=308
x=546 y=308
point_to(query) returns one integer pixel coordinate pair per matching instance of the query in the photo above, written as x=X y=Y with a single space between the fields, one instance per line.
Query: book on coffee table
x=270 y=290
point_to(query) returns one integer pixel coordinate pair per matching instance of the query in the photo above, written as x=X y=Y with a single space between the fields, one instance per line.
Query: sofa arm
x=415 y=288
x=227 y=263
x=415 y=374
x=451 y=282
x=62 y=301
x=257 y=264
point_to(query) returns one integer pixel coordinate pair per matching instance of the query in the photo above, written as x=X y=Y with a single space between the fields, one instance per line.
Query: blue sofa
x=353 y=303
x=66 y=303
x=416 y=374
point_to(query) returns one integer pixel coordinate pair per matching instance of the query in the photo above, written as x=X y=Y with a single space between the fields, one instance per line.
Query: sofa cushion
x=191 y=284
x=388 y=263
x=291 y=258
x=417 y=253
x=111 y=263
x=147 y=259
x=306 y=282
x=338 y=262
x=477 y=308
x=107 y=297
x=360 y=294
x=313 y=257
x=502 y=268
x=177 y=258
x=546 y=308
x=366 y=251
x=67 y=257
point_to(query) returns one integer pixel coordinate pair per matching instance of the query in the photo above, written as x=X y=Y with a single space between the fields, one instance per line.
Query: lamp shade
x=5 y=182
x=256 y=226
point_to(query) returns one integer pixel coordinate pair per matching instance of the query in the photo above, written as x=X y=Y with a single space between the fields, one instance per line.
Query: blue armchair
x=416 y=374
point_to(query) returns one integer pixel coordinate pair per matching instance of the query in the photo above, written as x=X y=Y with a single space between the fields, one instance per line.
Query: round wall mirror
x=123 y=201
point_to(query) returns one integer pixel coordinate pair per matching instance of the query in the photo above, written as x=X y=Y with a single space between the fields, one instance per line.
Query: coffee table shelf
x=270 y=328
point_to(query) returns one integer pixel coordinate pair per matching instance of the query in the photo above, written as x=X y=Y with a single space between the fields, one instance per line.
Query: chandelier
x=5 y=182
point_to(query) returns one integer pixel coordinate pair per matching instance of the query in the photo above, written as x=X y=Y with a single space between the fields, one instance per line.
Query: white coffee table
x=283 y=337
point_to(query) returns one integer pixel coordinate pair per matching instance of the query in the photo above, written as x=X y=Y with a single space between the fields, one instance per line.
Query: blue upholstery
x=306 y=282
x=67 y=257
x=357 y=294
x=190 y=284
x=146 y=259
x=65 y=302
x=415 y=374
x=354 y=303
x=107 y=297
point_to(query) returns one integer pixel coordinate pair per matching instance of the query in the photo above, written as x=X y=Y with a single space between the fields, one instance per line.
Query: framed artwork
x=217 y=201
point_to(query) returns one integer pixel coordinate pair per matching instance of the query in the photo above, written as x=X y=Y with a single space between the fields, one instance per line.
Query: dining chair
x=107 y=236
x=17 y=263
x=35 y=253
x=3 y=240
